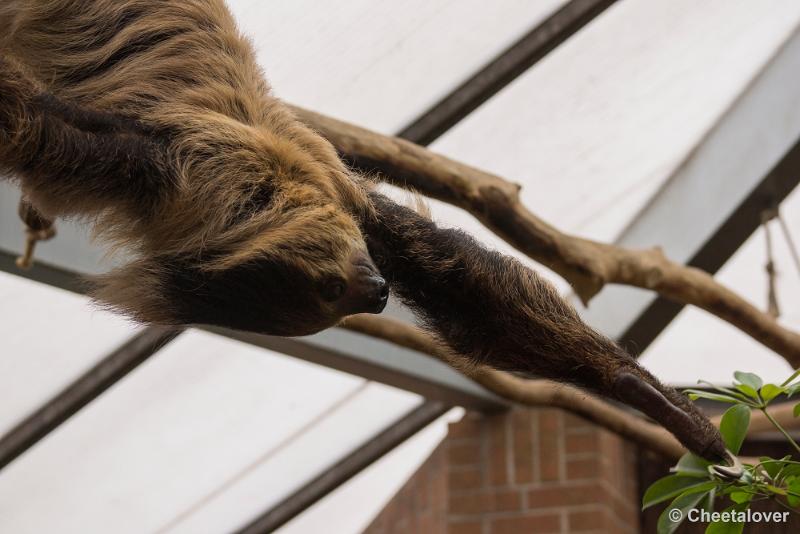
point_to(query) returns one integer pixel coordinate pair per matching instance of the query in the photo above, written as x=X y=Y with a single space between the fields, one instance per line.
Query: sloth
x=151 y=121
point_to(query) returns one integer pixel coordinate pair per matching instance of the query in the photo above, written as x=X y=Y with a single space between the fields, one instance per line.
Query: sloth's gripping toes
x=493 y=310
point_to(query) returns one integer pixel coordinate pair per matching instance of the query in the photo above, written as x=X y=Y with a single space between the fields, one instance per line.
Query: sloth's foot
x=37 y=228
x=692 y=429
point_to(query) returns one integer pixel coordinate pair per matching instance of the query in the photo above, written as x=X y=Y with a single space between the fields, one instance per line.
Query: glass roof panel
x=354 y=505
x=168 y=435
x=373 y=63
x=697 y=345
x=303 y=455
x=48 y=337
x=593 y=129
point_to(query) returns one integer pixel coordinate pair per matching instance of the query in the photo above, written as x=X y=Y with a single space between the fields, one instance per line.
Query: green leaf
x=789 y=380
x=725 y=527
x=791 y=470
x=793 y=389
x=771 y=467
x=796 y=410
x=674 y=514
x=793 y=495
x=695 y=394
x=708 y=502
x=774 y=489
x=770 y=391
x=692 y=465
x=749 y=379
x=749 y=391
x=741 y=497
x=733 y=426
x=720 y=389
x=667 y=488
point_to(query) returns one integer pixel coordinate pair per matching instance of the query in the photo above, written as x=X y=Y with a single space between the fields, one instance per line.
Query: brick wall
x=421 y=505
x=539 y=470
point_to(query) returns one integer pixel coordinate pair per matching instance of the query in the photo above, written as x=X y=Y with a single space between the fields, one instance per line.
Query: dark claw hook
x=734 y=471
x=638 y=393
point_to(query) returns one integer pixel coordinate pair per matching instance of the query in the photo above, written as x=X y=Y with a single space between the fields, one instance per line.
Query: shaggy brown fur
x=221 y=182
x=151 y=119
x=497 y=312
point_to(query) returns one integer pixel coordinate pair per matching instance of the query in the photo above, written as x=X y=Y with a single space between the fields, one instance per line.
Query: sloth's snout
x=367 y=291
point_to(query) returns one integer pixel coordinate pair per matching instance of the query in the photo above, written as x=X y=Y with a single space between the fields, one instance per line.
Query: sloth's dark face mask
x=273 y=296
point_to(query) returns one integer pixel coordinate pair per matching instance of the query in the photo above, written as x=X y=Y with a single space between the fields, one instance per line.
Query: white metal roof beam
x=346 y=351
x=747 y=162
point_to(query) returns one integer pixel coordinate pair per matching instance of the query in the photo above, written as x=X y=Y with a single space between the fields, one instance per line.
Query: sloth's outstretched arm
x=495 y=311
x=77 y=159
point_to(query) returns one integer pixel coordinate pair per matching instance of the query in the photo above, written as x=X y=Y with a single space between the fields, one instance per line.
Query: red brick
x=572 y=421
x=571 y=495
x=465 y=527
x=581 y=442
x=522 y=442
x=486 y=501
x=526 y=524
x=583 y=468
x=497 y=446
x=550 y=457
x=468 y=453
x=594 y=519
x=468 y=427
x=464 y=478
x=476 y=503
x=507 y=501
x=549 y=437
x=550 y=420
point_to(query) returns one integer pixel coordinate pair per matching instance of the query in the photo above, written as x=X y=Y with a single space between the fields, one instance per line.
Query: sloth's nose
x=374 y=294
x=367 y=290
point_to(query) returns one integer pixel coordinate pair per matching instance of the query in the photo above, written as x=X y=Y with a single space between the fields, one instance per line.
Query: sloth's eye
x=333 y=289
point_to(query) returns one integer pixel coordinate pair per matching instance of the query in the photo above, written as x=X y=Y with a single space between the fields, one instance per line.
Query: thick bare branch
x=547 y=392
x=525 y=392
x=586 y=265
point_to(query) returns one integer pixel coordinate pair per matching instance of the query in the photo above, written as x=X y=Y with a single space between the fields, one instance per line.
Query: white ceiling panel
x=48 y=337
x=697 y=345
x=376 y=62
x=596 y=127
x=278 y=472
x=355 y=504
x=167 y=436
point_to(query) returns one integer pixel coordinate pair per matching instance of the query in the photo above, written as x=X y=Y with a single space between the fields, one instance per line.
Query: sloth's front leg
x=495 y=311
x=72 y=160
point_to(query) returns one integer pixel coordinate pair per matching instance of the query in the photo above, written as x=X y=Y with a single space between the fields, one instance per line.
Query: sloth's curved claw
x=37 y=228
x=734 y=471
x=640 y=394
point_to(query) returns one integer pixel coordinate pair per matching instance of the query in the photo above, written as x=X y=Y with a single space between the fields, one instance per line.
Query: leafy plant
x=694 y=484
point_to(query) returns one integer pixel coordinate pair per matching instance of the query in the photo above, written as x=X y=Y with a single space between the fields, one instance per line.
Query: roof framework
x=745 y=161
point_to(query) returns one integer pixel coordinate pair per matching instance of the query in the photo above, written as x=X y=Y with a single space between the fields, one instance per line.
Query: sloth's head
x=263 y=234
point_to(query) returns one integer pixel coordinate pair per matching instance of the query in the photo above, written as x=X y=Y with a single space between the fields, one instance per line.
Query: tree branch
x=522 y=391
x=547 y=392
x=586 y=265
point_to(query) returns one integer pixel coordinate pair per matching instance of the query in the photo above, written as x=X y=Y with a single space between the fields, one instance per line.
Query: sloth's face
x=305 y=271
x=262 y=235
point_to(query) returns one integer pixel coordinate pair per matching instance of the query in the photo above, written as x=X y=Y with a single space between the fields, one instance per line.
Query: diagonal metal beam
x=502 y=70
x=713 y=254
x=346 y=468
x=346 y=351
x=379 y=361
x=82 y=391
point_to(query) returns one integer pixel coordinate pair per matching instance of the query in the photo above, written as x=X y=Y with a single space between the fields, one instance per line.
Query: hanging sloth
x=152 y=121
